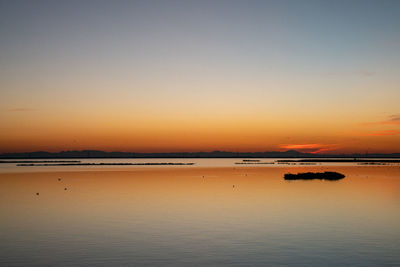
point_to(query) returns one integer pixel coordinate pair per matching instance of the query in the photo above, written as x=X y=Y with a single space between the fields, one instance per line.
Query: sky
x=168 y=76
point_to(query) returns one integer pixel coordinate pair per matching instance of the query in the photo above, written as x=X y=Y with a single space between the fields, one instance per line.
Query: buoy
x=59 y=179
x=65 y=188
x=37 y=193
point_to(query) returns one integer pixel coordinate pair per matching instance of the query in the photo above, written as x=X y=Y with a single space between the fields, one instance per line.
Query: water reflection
x=175 y=216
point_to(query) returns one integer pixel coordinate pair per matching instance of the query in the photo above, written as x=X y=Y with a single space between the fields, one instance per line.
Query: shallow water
x=198 y=163
x=173 y=216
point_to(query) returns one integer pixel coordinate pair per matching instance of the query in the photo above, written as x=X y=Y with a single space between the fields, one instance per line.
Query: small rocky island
x=330 y=176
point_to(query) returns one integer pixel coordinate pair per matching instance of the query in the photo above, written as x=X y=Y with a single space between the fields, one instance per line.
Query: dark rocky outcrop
x=330 y=176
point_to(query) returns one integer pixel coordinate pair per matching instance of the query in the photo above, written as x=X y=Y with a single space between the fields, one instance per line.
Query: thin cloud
x=310 y=148
x=391 y=120
x=395 y=117
x=384 y=133
x=21 y=109
x=366 y=73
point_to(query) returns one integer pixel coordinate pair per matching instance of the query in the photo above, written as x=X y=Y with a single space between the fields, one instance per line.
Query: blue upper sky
x=205 y=57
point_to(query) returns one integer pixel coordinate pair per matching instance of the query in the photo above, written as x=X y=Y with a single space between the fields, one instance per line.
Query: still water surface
x=173 y=216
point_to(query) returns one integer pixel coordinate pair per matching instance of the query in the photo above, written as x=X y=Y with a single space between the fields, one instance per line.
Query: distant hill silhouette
x=213 y=154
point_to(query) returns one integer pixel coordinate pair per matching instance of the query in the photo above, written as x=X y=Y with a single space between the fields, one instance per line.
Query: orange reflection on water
x=242 y=192
x=181 y=213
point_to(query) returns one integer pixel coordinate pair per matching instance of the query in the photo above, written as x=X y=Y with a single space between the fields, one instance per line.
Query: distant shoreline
x=106 y=164
x=96 y=154
x=347 y=160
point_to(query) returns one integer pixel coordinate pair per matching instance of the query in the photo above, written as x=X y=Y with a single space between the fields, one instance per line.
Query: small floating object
x=65 y=188
x=59 y=179
x=37 y=193
x=233 y=186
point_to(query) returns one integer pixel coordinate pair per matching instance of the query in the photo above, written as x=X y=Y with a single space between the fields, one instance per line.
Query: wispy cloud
x=384 y=133
x=20 y=109
x=366 y=73
x=395 y=117
x=391 y=120
x=310 y=148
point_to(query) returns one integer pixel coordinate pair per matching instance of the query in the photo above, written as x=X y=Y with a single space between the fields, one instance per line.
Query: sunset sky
x=167 y=76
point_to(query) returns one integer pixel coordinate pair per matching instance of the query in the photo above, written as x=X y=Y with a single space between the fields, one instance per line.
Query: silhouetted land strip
x=249 y=163
x=251 y=160
x=213 y=154
x=340 y=160
x=39 y=161
x=373 y=163
x=107 y=164
x=330 y=176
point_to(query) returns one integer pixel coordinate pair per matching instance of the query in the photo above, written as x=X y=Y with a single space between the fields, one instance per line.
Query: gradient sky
x=146 y=76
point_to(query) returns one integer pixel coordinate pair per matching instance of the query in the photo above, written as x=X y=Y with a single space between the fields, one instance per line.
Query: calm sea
x=214 y=213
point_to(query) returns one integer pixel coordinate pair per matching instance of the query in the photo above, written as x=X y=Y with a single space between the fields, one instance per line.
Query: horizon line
x=198 y=152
